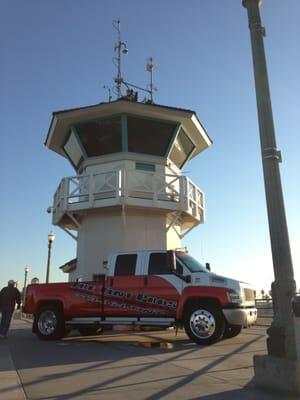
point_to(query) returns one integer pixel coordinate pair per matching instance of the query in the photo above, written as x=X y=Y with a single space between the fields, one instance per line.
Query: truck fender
x=192 y=295
x=43 y=303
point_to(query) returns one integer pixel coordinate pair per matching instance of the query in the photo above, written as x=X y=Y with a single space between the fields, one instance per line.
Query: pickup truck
x=147 y=288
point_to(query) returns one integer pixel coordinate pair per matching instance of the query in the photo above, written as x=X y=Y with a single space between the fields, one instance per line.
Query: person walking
x=9 y=296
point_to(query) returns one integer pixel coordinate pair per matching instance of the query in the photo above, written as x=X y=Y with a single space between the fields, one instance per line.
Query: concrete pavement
x=10 y=384
x=126 y=366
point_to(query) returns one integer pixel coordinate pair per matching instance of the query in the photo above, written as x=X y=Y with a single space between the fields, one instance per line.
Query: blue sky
x=58 y=54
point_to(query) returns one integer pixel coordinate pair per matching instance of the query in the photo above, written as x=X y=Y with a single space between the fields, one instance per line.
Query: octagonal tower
x=128 y=192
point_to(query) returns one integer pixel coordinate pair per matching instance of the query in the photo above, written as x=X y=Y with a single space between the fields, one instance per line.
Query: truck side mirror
x=207 y=266
x=171 y=260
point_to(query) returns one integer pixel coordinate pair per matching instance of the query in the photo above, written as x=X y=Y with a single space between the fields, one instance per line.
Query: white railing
x=195 y=199
x=128 y=187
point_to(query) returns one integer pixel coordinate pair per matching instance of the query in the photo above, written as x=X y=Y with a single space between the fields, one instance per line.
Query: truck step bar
x=121 y=321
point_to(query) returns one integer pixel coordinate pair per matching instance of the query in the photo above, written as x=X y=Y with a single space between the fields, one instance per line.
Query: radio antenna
x=120 y=48
x=149 y=68
x=109 y=92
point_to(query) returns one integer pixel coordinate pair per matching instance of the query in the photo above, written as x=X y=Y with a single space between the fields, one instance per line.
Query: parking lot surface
x=136 y=365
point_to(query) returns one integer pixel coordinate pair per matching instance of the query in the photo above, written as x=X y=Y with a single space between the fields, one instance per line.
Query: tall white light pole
x=280 y=368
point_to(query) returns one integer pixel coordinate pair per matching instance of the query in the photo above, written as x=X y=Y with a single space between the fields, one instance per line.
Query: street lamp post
x=51 y=238
x=26 y=270
x=282 y=362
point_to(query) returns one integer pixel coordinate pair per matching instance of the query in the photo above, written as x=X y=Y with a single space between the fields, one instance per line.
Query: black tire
x=232 y=331
x=49 y=323
x=89 y=330
x=204 y=324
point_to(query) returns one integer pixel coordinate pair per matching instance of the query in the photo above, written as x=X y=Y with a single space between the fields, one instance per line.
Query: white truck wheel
x=204 y=324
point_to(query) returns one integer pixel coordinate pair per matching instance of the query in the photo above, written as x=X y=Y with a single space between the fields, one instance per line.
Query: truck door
x=122 y=286
x=160 y=287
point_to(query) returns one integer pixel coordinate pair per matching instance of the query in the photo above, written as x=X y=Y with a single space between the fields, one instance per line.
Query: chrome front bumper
x=240 y=316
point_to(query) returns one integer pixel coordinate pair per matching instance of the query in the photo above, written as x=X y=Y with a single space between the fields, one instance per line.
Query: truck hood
x=212 y=279
x=244 y=290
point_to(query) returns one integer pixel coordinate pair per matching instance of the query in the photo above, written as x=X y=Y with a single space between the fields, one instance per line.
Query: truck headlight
x=234 y=297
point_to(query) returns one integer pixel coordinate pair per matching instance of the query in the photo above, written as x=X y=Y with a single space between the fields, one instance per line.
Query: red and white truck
x=147 y=288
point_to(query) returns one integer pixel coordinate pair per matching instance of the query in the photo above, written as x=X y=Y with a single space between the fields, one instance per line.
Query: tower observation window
x=73 y=150
x=182 y=149
x=149 y=136
x=101 y=137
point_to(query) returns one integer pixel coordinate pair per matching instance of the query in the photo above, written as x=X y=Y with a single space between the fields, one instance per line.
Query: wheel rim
x=202 y=324
x=47 y=322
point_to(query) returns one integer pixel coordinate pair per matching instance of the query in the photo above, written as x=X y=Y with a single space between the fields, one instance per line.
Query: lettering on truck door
x=160 y=287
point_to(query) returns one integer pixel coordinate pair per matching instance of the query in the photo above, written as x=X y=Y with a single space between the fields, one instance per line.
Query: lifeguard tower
x=128 y=192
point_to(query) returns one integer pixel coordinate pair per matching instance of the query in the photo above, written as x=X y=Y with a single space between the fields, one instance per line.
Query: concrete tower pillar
x=280 y=369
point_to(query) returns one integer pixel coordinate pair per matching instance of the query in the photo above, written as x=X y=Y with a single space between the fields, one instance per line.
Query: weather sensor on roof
x=132 y=95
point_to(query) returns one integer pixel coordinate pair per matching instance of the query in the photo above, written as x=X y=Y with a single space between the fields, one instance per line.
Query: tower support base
x=276 y=373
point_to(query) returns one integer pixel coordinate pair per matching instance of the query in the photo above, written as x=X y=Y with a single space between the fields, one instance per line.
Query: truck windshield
x=192 y=264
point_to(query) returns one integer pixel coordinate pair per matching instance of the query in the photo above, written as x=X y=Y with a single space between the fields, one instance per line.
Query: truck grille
x=249 y=294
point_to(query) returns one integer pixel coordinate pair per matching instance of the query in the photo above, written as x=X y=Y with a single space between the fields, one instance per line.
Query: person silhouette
x=9 y=296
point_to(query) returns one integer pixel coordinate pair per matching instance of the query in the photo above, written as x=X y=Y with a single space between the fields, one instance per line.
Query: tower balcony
x=164 y=193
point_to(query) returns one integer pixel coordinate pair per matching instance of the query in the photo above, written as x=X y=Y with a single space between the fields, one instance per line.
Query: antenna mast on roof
x=149 y=68
x=119 y=47
x=109 y=92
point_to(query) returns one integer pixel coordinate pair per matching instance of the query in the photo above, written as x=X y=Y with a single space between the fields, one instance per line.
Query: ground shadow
x=249 y=392
x=110 y=359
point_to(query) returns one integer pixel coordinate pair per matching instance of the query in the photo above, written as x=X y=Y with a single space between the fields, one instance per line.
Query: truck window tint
x=179 y=268
x=190 y=262
x=158 y=264
x=125 y=264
